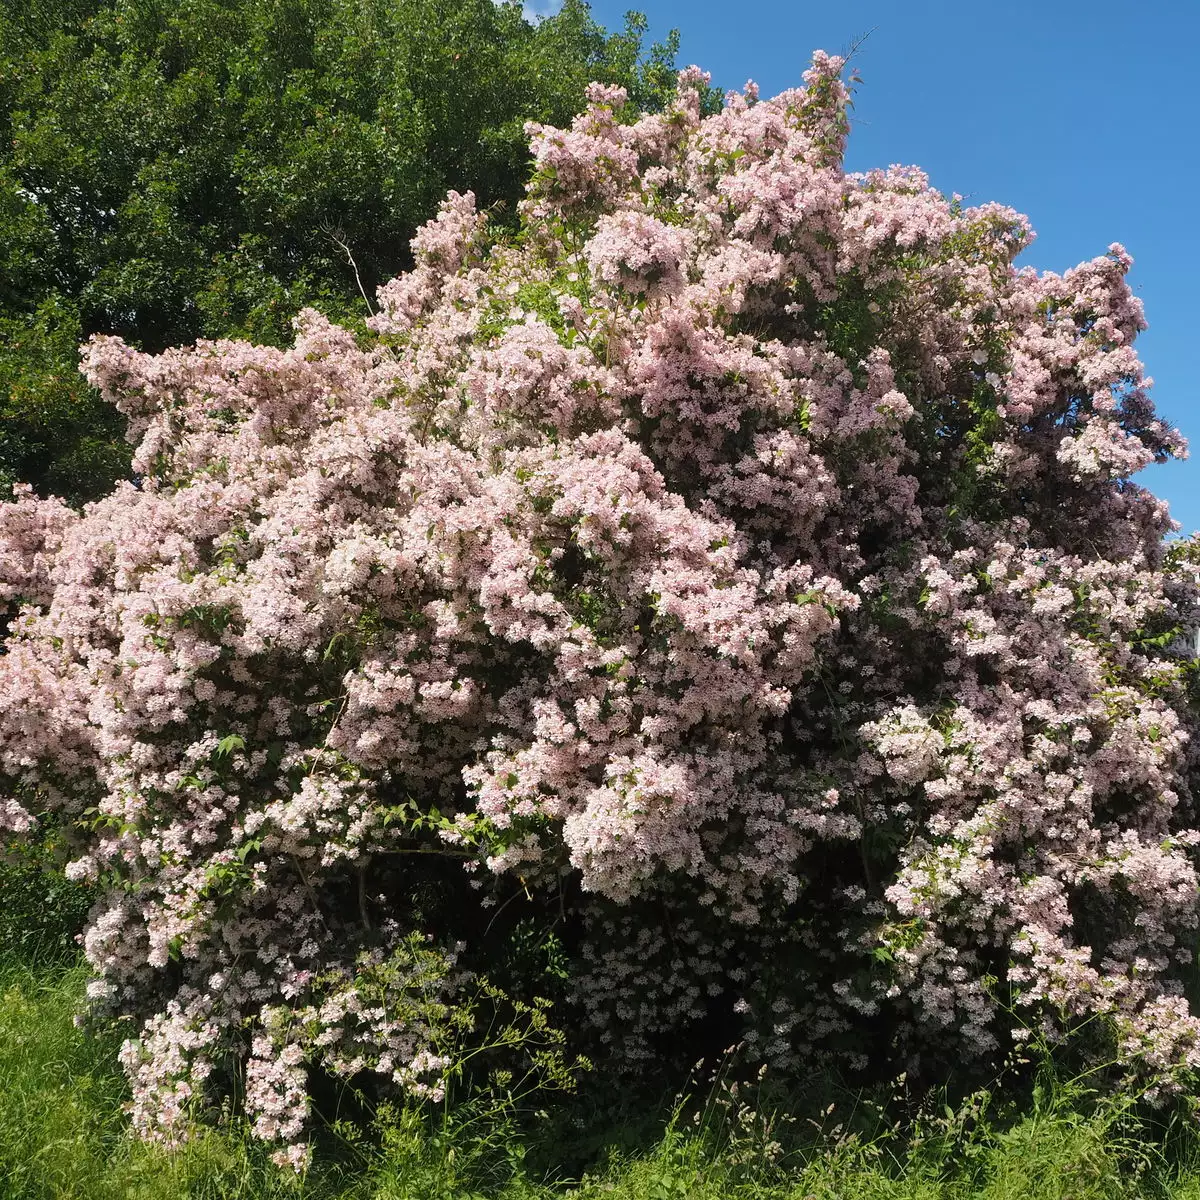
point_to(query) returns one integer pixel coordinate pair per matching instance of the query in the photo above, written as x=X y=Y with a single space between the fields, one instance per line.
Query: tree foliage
x=205 y=168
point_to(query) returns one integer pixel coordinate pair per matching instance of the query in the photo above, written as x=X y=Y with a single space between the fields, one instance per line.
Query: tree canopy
x=175 y=169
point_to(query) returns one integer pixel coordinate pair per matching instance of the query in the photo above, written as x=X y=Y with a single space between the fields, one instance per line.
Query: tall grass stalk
x=1059 y=1137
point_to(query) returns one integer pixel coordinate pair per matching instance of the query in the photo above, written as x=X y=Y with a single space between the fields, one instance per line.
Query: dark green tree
x=175 y=169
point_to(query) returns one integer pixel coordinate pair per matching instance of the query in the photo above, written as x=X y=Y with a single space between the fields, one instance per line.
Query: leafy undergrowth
x=62 y=1134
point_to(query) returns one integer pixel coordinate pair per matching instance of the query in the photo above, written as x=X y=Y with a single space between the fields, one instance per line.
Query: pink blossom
x=743 y=564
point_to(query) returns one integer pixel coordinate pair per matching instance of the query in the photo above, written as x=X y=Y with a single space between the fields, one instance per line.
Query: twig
x=338 y=240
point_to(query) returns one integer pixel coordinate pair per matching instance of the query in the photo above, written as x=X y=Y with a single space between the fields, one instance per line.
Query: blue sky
x=1086 y=118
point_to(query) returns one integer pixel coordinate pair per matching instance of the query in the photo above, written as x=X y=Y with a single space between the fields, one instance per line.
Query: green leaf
x=228 y=744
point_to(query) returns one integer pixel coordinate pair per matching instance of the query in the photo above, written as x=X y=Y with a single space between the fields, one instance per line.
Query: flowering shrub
x=739 y=573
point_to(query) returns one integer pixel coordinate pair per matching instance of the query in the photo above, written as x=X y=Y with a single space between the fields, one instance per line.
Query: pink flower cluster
x=741 y=568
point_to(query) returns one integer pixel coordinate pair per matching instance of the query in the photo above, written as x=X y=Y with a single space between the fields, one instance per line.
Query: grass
x=62 y=1135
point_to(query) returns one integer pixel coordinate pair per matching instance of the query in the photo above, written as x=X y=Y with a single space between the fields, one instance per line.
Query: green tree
x=176 y=169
